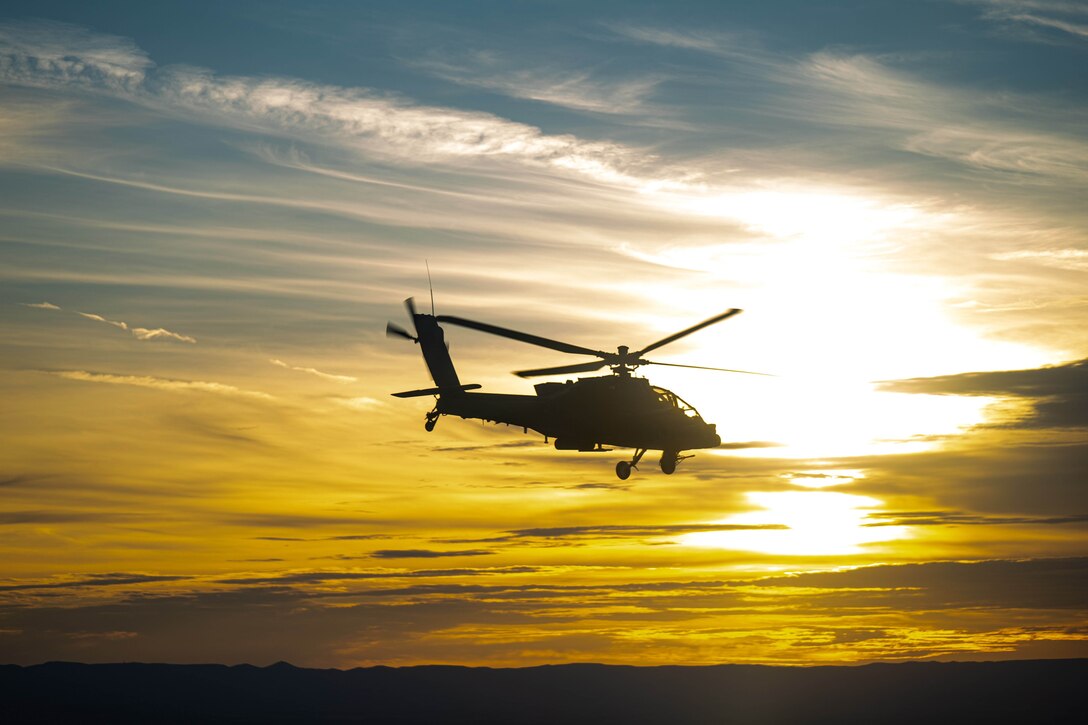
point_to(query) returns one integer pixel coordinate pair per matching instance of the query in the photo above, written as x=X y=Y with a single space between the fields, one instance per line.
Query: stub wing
x=436 y=391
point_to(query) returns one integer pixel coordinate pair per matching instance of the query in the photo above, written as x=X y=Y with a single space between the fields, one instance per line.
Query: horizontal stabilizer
x=436 y=391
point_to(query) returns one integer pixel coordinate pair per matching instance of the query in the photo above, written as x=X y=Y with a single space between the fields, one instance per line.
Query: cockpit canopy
x=672 y=399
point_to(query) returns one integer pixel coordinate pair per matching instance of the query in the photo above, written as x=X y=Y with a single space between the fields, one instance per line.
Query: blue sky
x=208 y=211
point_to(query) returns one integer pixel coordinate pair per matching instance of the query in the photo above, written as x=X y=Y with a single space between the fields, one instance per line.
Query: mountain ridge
x=991 y=691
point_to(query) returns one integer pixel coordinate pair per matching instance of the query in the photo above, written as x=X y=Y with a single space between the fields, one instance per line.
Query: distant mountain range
x=1039 y=691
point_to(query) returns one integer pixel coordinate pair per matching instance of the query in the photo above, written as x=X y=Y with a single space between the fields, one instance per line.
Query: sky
x=209 y=211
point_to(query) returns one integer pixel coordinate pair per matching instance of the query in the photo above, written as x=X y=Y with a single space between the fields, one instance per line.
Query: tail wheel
x=669 y=459
x=623 y=470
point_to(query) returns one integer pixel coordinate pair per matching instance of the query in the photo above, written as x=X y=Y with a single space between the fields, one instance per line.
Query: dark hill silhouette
x=932 y=692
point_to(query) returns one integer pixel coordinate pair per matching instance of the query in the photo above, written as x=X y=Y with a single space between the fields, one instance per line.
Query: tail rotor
x=392 y=329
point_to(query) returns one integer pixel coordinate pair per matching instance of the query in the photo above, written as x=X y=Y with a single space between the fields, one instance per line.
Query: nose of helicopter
x=713 y=440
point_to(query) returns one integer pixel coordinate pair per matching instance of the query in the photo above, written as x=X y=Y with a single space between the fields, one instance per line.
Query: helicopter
x=588 y=414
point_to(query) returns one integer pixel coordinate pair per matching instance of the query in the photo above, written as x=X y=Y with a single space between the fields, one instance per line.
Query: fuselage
x=610 y=410
x=584 y=415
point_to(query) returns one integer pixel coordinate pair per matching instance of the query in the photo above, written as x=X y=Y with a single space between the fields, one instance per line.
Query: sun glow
x=812 y=214
x=831 y=307
x=820 y=523
x=823 y=478
x=812 y=418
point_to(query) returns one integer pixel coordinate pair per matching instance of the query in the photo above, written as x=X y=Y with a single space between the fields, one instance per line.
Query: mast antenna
x=429 y=285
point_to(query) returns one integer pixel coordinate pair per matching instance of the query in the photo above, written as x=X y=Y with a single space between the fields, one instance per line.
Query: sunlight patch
x=819 y=523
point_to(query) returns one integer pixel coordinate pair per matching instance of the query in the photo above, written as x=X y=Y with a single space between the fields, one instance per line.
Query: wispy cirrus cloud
x=43 y=52
x=360 y=402
x=314 y=371
x=148 y=381
x=888 y=108
x=1030 y=16
x=570 y=88
x=1072 y=259
x=715 y=42
x=1078 y=30
x=58 y=55
x=100 y=318
x=1008 y=132
x=140 y=333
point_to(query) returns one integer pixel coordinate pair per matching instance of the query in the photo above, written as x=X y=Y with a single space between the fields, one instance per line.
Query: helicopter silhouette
x=585 y=415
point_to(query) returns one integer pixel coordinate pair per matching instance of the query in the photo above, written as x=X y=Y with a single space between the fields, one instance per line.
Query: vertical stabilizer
x=435 y=353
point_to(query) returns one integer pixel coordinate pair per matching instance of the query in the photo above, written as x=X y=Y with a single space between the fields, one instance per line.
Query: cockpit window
x=674 y=400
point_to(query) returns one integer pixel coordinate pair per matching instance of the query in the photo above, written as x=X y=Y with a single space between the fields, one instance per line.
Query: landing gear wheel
x=623 y=468
x=432 y=419
x=669 y=459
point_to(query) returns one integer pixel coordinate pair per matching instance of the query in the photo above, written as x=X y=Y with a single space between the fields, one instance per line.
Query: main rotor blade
x=522 y=336
x=395 y=330
x=703 y=367
x=583 y=368
x=688 y=331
